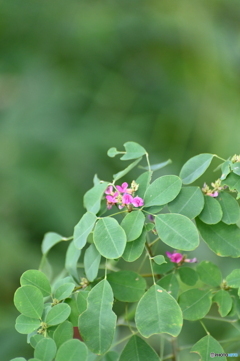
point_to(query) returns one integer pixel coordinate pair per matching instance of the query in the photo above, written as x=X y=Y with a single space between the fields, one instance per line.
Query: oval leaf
x=158 y=312
x=233 y=279
x=97 y=324
x=138 y=350
x=195 y=167
x=26 y=324
x=135 y=249
x=133 y=151
x=143 y=182
x=38 y=279
x=207 y=347
x=233 y=182
x=195 y=304
x=49 y=240
x=188 y=276
x=224 y=302
x=177 y=231
x=29 y=301
x=71 y=350
x=159 y=259
x=109 y=238
x=92 y=199
x=212 y=211
x=45 y=349
x=170 y=284
x=91 y=262
x=64 y=291
x=209 y=273
x=230 y=208
x=71 y=261
x=83 y=228
x=189 y=202
x=162 y=191
x=58 y=314
x=133 y=224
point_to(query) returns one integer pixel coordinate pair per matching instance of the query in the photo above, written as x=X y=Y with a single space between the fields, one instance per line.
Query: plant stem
x=205 y=329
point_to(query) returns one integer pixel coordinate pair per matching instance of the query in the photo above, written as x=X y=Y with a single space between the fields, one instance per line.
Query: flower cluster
x=123 y=196
x=179 y=258
x=214 y=192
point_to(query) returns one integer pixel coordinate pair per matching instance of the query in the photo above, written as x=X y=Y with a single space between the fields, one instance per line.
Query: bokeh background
x=78 y=77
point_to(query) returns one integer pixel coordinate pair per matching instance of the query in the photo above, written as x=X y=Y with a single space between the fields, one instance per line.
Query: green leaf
x=45 y=266
x=64 y=291
x=135 y=249
x=29 y=301
x=49 y=240
x=163 y=313
x=189 y=202
x=58 y=314
x=18 y=359
x=83 y=229
x=133 y=151
x=143 y=181
x=158 y=166
x=35 y=339
x=133 y=224
x=34 y=359
x=26 y=324
x=233 y=279
x=224 y=302
x=236 y=168
x=206 y=347
x=72 y=350
x=154 y=209
x=159 y=259
x=195 y=167
x=230 y=208
x=91 y=262
x=138 y=350
x=109 y=238
x=82 y=301
x=73 y=317
x=112 y=152
x=71 y=261
x=222 y=239
x=188 y=276
x=177 y=231
x=38 y=279
x=212 y=211
x=233 y=182
x=127 y=286
x=92 y=199
x=225 y=168
x=195 y=304
x=63 y=333
x=209 y=273
x=109 y=356
x=126 y=170
x=162 y=191
x=163 y=268
x=170 y=284
x=97 y=324
x=45 y=349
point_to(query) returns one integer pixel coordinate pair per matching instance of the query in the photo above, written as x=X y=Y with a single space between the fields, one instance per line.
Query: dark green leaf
x=38 y=279
x=233 y=279
x=29 y=301
x=207 y=346
x=133 y=224
x=92 y=260
x=212 y=211
x=230 y=208
x=135 y=249
x=83 y=228
x=195 y=167
x=209 y=273
x=189 y=202
x=188 y=276
x=195 y=304
x=138 y=350
x=82 y=301
x=92 y=199
x=224 y=301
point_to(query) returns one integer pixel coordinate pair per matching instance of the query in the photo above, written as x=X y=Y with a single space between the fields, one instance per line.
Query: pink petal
x=122 y=188
x=109 y=190
x=137 y=202
x=127 y=198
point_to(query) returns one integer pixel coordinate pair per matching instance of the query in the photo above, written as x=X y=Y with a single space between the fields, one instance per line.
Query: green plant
x=169 y=210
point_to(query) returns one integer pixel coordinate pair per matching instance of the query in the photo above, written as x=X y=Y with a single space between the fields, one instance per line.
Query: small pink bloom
x=175 y=257
x=137 y=202
x=127 y=199
x=214 y=194
x=111 y=200
x=122 y=188
x=192 y=260
x=109 y=190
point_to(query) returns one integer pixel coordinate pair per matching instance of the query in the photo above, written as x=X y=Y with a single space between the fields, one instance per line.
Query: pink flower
x=127 y=199
x=122 y=188
x=175 y=257
x=193 y=260
x=214 y=194
x=111 y=200
x=109 y=190
x=137 y=202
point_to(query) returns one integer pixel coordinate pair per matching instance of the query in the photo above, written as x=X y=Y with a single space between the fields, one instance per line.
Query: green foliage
x=138 y=350
x=205 y=347
x=133 y=224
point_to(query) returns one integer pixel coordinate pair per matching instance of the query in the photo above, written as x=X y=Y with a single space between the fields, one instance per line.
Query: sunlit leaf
x=195 y=167
x=112 y=152
x=195 y=304
x=83 y=228
x=133 y=224
x=159 y=259
x=29 y=301
x=138 y=350
x=206 y=347
x=189 y=202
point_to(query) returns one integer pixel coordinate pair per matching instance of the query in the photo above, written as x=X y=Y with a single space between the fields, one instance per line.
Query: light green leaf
x=71 y=260
x=143 y=181
x=109 y=356
x=38 y=279
x=162 y=191
x=233 y=279
x=163 y=268
x=72 y=350
x=127 y=286
x=225 y=168
x=133 y=224
x=18 y=359
x=109 y=238
x=195 y=304
x=133 y=151
x=26 y=324
x=34 y=359
x=73 y=317
x=212 y=211
x=92 y=199
x=97 y=324
x=188 y=276
x=233 y=182
x=138 y=350
x=158 y=166
x=29 y=301
x=224 y=302
x=230 y=208
x=82 y=301
x=170 y=284
x=49 y=240
x=222 y=239
x=63 y=333
x=189 y=202
x=163 y=313
x=126 y=170
x=207 y=346
x=112 y=152
x=135 y=249
x=64 y=291
x=58 y=314
x=235 y=167
x=209 y=273
x=61 y=281
x=159 y=259
x=91 y=262
x=177 y=231
x=35 y=339
x=83 y=228
x=195 y=167
x=45 y=349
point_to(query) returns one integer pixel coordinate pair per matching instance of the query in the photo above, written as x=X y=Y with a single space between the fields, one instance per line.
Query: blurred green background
x=78 y=77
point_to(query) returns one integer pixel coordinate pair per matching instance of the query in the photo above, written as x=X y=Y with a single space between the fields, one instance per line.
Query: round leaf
x=133 y=224
x=26 y=324
x=162 y=191
x=195 y=167
x=233 y=279
x=71 y=260
x=29 y=301
x=188 y=276
x=189 y=202
x=158 y=312
x=159 y=259
x=230 y=208
x=38 y=279
x=112 y=152
x=63 y=333
x=209 y=273
x=58 y=314
x=64 y=291
x=109 y=238
x=224 y=301
x=72 y=350
x=135 y=249
x=138 y=350
x=45 y=349
x=133 y=151
x=195 y=304
x=35 y=339
x=91 y=262
x=206 y=346
x=212 y=211
x=177 y=231
x=83 y=228
x=127 y=286
x=170 y=284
